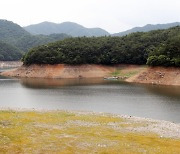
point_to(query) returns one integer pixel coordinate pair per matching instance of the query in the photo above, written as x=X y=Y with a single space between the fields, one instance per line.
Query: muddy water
x=158 y=102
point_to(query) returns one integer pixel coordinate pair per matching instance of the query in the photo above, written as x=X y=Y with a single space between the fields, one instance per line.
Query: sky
x=111 y=15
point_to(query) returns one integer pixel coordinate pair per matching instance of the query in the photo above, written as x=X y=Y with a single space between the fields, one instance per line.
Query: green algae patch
x=75 y=132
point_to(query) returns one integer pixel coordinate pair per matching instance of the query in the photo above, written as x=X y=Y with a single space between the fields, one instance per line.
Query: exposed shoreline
x=129 y=73
x=165 y=129
x=58 y=131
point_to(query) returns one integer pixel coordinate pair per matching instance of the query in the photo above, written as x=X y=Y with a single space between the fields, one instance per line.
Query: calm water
x=158 y=102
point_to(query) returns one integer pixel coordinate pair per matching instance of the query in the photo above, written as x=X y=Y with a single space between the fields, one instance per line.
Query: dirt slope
x=60 y=71
x=157 y=75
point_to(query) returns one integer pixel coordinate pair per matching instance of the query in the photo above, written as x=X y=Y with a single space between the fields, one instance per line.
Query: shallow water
x=152 y=101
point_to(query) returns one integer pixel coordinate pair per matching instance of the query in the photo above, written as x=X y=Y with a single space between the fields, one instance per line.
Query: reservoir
x=97 y=95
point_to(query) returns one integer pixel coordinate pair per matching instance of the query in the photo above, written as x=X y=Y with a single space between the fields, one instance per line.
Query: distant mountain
x=69 y=28
x=148 y=28
x=13 y=39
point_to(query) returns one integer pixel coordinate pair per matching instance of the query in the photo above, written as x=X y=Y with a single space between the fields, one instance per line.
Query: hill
x=9 y=52
x=159 y=47
x=11 y=32
x=18 y=39
x=27 y=42
x=69 y=28
x=147 y=28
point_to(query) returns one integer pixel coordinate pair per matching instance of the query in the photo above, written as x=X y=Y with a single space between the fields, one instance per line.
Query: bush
x=164 y=60
x=152 y=61
x=177 y=62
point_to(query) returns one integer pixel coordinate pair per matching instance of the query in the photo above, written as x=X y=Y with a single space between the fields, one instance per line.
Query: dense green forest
x=159 y=47
x=9 y=52
x=166 y=54
x=15 y=36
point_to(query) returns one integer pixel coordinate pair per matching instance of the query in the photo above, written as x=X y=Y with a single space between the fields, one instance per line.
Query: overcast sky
x=111 y=15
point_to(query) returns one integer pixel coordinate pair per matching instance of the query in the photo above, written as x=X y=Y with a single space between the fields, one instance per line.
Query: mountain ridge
x=147 y=28
x=77 y=30
x=69 y=28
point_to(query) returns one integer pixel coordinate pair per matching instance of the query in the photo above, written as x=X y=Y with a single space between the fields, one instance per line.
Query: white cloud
x=112 y=15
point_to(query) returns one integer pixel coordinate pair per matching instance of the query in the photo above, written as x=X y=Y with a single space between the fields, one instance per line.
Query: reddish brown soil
x=60 y=71
x=158 y=75
x=137 y=74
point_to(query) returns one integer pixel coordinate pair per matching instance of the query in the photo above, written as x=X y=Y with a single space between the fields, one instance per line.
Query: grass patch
x=66 y=132
x=126 y=73
x=116 y=73
x=119 y=73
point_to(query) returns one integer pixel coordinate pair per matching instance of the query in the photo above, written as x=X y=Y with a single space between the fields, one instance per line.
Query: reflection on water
x=158 y=102
x=171 y=91
x=55 y=83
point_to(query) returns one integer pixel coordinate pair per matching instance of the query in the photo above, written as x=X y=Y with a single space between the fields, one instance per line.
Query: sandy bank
x=131 y=73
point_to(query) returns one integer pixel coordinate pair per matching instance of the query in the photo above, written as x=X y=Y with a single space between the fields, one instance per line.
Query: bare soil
x=60 y=71
x=131 y=73
x=157 y=75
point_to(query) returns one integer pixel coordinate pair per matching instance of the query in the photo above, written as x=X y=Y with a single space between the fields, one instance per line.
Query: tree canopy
x=9 y=52
x=136 y=48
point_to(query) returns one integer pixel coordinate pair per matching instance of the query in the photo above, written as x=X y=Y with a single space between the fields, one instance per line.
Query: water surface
x=152 y=101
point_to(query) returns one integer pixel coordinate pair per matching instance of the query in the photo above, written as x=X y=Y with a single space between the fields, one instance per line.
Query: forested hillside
x=166 y=54
x=11 y=32
x=26 y=42
x=9 y=52
x=136 y=48
x=15 y=36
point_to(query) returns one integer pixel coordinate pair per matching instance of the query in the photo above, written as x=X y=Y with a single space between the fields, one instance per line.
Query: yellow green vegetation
x=126 y=72
x=126 y=75
x=76 y=132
